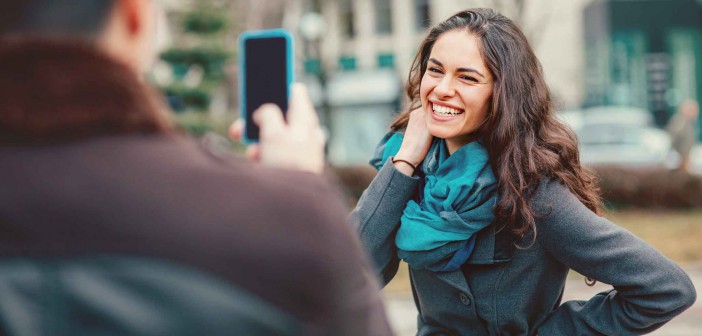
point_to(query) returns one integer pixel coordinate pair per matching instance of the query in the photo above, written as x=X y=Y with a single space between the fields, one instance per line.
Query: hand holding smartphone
x=265 y=74
x=289 y=135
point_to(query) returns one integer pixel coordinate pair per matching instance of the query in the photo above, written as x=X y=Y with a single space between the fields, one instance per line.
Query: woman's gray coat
x=508 y=290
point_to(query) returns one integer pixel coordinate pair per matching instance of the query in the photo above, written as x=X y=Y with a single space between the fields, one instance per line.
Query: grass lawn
x=677 y=234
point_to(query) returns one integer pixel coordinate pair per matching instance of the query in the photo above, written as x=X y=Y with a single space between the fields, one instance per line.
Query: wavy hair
x=525 y=141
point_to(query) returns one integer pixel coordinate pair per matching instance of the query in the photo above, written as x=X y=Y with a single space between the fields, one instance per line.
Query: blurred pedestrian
x=480 y=190
x=114 y=224
x=683 y=128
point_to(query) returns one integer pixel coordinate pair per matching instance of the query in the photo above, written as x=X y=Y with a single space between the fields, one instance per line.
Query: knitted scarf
x=456 y=200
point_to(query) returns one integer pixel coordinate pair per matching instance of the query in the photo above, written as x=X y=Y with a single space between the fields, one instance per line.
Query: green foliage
x=649 y=188
x=622 y=188
x=197 y=99
x=354 y=180
x=202 y=46
x=201 y=56
x=204 y=22
x=212 y=60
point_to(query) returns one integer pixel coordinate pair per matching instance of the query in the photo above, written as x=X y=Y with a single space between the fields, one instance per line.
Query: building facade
x=643 y=53
x=382 y=36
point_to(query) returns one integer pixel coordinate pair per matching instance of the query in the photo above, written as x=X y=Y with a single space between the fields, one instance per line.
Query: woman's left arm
x=649 y=289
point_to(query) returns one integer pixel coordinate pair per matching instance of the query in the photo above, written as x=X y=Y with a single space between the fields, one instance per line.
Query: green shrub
x=354 y=180
x=649 y=188
x=211 y=60
x=195 y=99
x=203 y=22
x=621 y=187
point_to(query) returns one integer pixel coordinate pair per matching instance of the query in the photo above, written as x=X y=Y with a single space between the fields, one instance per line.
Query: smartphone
x=265 y=74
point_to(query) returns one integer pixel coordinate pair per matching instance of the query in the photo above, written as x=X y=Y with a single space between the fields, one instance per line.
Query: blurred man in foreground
x=115 y=225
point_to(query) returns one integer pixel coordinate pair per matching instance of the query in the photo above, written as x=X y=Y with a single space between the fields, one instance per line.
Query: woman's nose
x=445 y=87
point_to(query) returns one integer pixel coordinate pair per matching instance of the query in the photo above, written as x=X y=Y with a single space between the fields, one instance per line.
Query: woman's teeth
x=445 y=110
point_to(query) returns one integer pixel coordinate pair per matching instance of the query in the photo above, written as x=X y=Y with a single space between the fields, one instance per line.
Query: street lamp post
x=312 y=27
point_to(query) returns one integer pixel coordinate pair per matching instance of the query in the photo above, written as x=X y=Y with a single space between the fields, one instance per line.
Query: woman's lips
x=444 y=113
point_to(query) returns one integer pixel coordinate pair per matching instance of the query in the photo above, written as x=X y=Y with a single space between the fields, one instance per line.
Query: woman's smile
x=443 y=112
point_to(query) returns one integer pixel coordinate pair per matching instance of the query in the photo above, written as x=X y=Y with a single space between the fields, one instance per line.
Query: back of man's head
x=74 y=18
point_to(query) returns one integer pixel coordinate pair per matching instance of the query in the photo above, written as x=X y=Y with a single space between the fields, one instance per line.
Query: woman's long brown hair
x=525 y=141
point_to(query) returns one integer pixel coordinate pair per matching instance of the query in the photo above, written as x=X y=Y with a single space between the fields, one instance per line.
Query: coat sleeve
x=649 y=289
x=377 y=217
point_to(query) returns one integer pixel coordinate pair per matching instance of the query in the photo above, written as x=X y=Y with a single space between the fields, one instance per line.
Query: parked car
x=623 y=144
x=617 y=115
x=623 y=136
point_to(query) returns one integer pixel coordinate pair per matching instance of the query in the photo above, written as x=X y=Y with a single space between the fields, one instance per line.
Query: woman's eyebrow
x=472 y=70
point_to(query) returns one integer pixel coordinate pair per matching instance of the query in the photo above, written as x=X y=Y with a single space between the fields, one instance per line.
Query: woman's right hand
x=416 y=141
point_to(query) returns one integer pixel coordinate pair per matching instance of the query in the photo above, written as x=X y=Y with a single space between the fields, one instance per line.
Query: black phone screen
x=266 y=77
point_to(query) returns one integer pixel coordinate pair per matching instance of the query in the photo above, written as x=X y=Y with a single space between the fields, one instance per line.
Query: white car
x=624 y=145
x=623 y=136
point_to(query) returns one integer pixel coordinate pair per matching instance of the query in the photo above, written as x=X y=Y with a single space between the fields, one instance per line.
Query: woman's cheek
x=424 y=87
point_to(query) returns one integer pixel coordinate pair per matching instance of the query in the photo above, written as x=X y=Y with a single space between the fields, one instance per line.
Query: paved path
x=403 y=314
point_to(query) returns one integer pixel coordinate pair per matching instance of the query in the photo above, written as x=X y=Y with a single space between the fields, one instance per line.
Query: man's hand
x=297 y=144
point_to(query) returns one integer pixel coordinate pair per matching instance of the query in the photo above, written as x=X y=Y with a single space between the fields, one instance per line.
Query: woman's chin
x=438 y=132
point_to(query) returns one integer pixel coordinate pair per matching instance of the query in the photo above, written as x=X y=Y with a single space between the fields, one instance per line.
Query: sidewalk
x=403 y=314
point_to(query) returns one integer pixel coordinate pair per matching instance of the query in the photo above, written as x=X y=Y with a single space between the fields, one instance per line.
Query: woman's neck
x=455 y=143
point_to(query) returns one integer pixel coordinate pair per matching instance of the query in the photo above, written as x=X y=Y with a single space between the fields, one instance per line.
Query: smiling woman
x=455 y=90
x=480 y=190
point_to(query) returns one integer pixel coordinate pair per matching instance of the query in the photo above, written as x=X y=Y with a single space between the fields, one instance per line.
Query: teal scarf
x=456 y=200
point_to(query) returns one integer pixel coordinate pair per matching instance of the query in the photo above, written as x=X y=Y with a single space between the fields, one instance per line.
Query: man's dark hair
x=79 y=18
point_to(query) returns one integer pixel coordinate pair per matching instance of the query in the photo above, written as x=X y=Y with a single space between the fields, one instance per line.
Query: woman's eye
x=435 y=70
x=470 y=79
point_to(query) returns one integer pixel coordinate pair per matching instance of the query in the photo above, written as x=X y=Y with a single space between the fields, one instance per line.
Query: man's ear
x=127 y=33
x=133 y=13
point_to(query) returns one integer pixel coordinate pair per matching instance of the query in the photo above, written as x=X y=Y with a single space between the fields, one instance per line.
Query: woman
x=481 y=191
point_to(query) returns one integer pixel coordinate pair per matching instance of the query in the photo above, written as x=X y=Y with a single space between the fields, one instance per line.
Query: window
x=422 y=15
x=386 y=60
x=347 y=63
x=347 y=17
x=383 y=17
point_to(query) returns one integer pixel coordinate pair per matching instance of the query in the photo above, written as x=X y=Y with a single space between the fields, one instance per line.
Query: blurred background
x=618 y=69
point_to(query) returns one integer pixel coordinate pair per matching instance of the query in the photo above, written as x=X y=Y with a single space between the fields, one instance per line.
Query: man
x=683 y=129
x=114 y=224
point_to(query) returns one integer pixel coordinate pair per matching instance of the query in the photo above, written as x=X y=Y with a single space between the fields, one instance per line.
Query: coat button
x=465 y=299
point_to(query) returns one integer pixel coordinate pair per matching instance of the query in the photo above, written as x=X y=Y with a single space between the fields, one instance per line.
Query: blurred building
x=643 y=53
x=360 y=62
x=371 y=34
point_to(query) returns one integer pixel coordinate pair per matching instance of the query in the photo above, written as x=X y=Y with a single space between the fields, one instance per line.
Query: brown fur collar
x=57 y=91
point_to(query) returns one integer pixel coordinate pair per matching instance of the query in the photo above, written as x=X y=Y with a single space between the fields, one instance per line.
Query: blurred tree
x=200 y=62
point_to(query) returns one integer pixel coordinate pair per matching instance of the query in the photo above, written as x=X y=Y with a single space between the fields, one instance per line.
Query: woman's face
x=456 y=88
